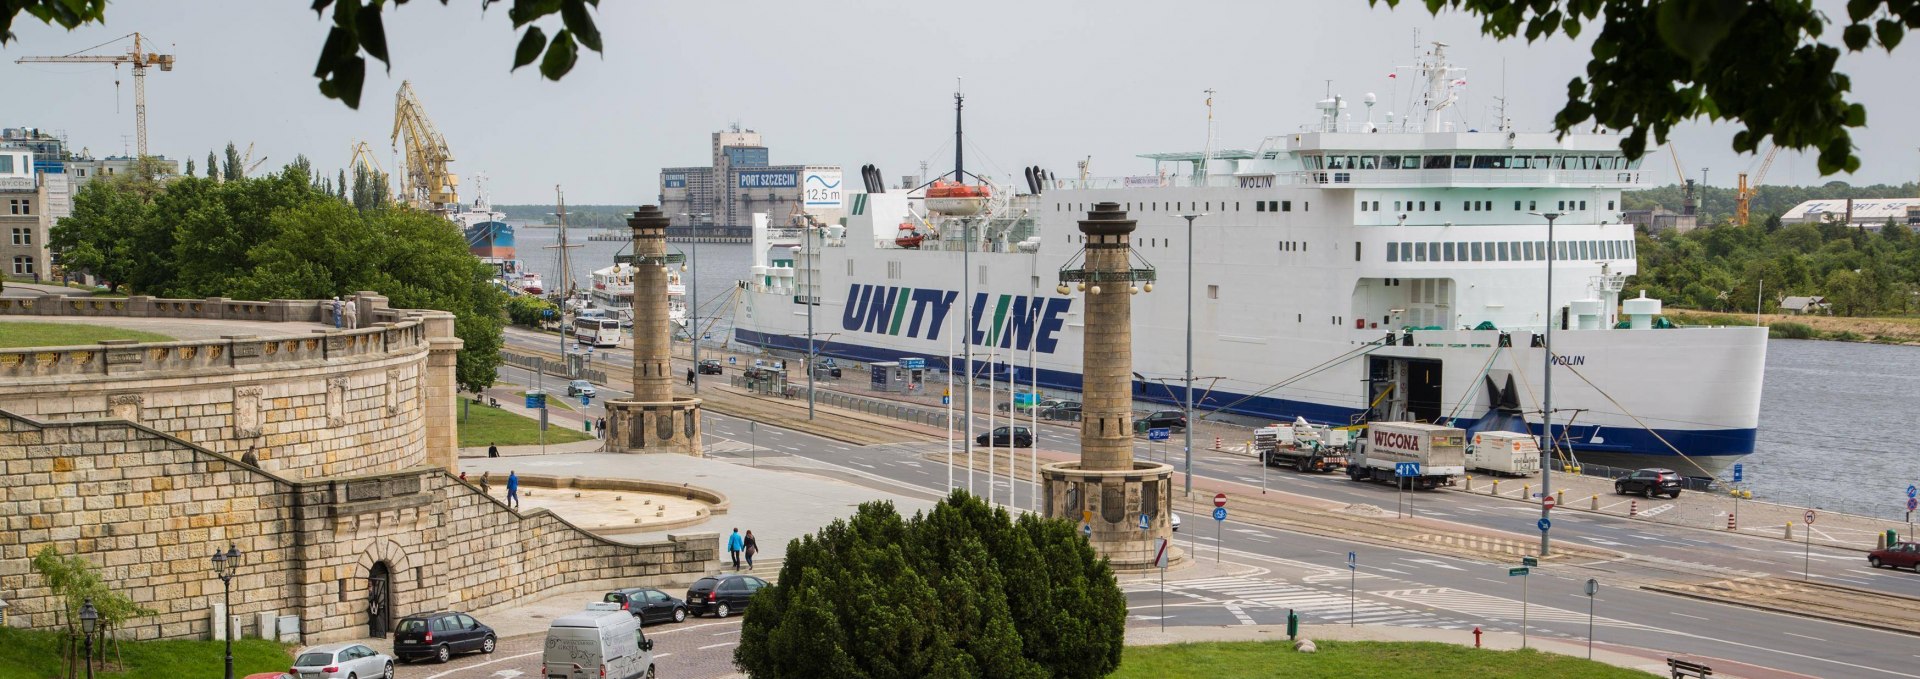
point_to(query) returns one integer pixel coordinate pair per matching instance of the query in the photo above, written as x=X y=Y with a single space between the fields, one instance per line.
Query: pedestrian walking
x=690 y=377
x=463 y=476
x=513 y=490
x=492 y=450
x=486 y=487
x=752 y=548
x=735 y=544
x=353 y=315
x=601 y=427
x=336 y=311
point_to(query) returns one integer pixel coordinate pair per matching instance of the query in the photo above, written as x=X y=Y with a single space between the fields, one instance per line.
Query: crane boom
x=426 y=184
x=139 y=59
x=1743 y=193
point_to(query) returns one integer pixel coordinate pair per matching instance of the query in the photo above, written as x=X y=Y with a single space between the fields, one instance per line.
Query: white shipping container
x=1504 y=452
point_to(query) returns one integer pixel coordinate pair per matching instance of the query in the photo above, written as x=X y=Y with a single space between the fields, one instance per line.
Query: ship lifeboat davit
x=957 y=199
x=908 y=237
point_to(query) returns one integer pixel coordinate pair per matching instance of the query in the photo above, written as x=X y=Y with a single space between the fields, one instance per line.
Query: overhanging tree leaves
x=1657 y=63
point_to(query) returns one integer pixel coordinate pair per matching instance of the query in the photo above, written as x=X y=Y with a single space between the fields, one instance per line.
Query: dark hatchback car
x=1064 y=411
x=722 y=595
x=1651 y=483
x=440 y=636
x=649 y=604
x=1021 y=437
x=710 y=367
x=1165 y=419
x=1900 y=555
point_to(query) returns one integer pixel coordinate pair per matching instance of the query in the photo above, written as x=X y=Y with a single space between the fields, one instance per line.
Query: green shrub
x=1792 y=331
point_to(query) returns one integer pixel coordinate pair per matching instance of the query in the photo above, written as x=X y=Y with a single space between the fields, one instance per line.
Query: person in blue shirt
x=513 y=490
x=734 y=545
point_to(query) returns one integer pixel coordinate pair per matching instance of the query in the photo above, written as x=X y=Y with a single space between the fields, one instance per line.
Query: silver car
x=341 y=661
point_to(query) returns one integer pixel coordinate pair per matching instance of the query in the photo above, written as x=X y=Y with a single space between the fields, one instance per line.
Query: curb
x=1707 y=529
x=1663 y=589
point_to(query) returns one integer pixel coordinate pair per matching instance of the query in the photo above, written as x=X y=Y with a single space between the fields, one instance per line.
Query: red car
x=1903 y=554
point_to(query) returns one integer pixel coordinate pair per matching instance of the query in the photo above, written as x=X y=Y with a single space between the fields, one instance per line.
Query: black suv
x=1067 y=411
x=439 y=636
x=1165 y=419
x=1651 y=483
x=722 y=595
x=710 y=367
x=648 y=604
x=1022 y=438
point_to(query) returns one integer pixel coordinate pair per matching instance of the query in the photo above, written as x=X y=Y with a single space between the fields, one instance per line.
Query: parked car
x=1651 y=483
x=1063 y=411
x=722 y=595
x=1022 y=438
x=710 y=367
x=1899 y=555
x=649 y=604
x=341 y=661
x=1165 y=419
x=1043 y=405
x=832 y=369
x=578 y=387
x=1175 y=520
x=439 y=636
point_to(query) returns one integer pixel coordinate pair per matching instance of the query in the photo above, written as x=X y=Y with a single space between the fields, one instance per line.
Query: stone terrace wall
x=149 y=509
x=323 y=404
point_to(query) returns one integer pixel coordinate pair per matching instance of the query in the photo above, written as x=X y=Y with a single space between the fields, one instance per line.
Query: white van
x=602 y=641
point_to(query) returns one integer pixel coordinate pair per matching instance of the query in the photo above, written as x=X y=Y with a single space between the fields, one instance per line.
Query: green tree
x=960 y=591
x=189 y=167
x=76 y=582
x=213 y=166
x=341 y=188
x=233 y=170
x=528 y=310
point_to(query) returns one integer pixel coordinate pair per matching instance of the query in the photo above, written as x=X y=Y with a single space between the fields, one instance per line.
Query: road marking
x=728 y=643
x=1683 y=615
x=489 y=662
x=1435 y=563
x=658 y=656
x=1803 y=636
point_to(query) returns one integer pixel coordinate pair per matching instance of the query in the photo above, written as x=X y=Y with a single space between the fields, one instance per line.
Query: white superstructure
x=612 y=293
x=1345 y=272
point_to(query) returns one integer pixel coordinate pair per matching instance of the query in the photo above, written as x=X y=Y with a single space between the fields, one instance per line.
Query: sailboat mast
x=566 y=262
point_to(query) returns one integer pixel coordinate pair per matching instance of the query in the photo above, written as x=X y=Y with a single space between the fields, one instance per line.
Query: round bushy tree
x=960 y=591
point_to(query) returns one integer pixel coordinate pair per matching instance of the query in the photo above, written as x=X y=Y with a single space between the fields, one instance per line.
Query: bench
x=1682 y=668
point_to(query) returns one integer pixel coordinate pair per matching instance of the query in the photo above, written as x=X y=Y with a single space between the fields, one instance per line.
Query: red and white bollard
x=1633 y=508
x=1216 y=443
x=1476 y=636
x=1731 y=523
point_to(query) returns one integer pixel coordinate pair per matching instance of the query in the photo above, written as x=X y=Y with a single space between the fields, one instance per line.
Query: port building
x=741 y=180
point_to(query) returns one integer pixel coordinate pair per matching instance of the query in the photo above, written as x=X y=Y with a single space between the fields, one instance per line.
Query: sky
x=839 y=82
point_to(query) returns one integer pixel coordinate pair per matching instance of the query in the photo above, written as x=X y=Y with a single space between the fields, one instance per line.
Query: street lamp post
x=1189 y=428
x=1546 y=406
x=89 y=620
x=807 y=250
x=693 y=289
x=224 y=565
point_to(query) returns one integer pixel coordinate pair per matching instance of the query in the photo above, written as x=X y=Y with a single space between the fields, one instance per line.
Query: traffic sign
x=1086 y=530
x=1086 y=517
x=1219 y=513
x=733 y=359
x=1219 y=499
x=1353 y=561
x=1159 y=434
x=536 y=400
x=1809 y=517
x=1912 y=504
x=946 y=400
x=1516 y=572
x=1404 y=469
x=706 y=337
x=1739 y=472
x=585 y=398
x=1912 y=491
x=1146 y=522
x=1593 y=586
x=1544 y=525
x=1547 y=502
x=1160 y=551
x=1529 y=561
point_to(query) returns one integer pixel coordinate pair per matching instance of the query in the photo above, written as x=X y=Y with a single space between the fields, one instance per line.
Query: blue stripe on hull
x=1725 y=444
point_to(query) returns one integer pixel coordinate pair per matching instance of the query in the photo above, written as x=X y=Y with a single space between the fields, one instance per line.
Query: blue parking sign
x=1739 y=472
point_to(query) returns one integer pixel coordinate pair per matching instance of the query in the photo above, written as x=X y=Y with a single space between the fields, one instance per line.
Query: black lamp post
x=224 y=566
x=89 y=619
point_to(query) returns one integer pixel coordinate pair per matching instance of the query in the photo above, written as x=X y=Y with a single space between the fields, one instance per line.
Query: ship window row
x=1183 y=206
x=1469 y=162
x=1509 y=251
x=1273 y=206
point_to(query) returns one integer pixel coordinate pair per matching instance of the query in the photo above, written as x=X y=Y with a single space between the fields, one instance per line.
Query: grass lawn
x=28 y=654
x=17 y=334
x=1343 y=659
x=486 y=424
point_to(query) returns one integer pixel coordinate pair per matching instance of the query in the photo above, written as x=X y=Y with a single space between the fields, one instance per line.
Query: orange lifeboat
x=908 y=237
x=957 y=199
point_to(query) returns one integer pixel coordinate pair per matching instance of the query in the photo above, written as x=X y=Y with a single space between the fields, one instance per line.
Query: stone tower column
x=442 y=390
x=653 y=420
x=1121 y=504
x=1106 y=433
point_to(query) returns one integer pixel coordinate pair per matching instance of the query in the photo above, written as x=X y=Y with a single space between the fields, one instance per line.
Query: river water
x=1831 y=417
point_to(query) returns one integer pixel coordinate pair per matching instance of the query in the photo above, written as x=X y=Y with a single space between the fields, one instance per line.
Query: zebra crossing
x=1241 y=594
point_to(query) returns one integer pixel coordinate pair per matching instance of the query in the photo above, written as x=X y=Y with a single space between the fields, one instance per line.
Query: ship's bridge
x=1333 y=159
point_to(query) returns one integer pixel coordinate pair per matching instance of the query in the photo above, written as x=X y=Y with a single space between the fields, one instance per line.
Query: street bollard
x=1789 y=530
x=1216 y=443
x=1496 y=488
x=1560 y=498
x=1633 y=508
x=1469 y=483
x=1594 y=502
x=1476 y=636
x=1526 y=491
x=1880 y=541
x=1293 y=624
x=1732 y=523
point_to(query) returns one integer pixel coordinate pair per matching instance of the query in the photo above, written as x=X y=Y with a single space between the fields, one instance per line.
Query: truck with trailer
x=1504 y=452
x=1440 y=451
x=1303 y=446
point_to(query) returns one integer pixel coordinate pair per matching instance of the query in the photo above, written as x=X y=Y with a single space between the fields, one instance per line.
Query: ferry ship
x=612 y=293
x=1342 y=273
x=488 y=234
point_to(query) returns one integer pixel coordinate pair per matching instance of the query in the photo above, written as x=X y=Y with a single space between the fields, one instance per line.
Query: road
x=699 y=647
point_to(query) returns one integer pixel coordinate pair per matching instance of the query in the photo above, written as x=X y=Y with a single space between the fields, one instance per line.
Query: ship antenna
x=1206 y=153
x=959 y=149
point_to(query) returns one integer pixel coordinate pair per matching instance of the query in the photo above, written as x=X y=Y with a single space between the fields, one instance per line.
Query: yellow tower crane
x=1743 y=196
x=425 y=183
x=138 y=58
